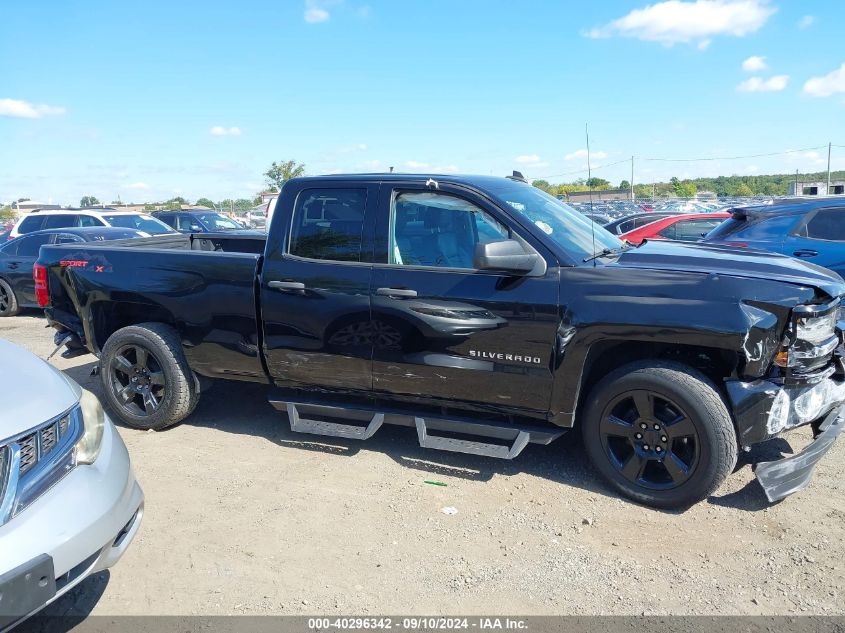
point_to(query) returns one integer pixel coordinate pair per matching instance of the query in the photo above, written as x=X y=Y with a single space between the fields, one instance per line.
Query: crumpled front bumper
x=763 y=409
x=783 y=477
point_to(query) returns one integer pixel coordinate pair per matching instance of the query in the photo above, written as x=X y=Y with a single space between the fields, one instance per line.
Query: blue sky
x=144 y=101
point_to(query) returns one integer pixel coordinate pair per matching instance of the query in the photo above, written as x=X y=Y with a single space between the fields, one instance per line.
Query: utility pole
x=796 y=183
x=829 y=145
x=632 y=179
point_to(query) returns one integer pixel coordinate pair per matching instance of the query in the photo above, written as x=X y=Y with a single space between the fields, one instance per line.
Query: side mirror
x=506 y=256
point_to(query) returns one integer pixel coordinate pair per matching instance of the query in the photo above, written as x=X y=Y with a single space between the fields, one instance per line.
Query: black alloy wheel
x=650 y=440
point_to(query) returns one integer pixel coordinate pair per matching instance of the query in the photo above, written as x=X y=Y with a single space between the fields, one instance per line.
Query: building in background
x=799 y=188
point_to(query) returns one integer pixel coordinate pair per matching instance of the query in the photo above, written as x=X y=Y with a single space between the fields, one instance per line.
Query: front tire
x=146 y=378
x=8 y=301
x=660 y=433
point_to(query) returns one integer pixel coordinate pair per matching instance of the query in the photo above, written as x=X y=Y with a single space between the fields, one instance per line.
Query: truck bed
x=202 y=284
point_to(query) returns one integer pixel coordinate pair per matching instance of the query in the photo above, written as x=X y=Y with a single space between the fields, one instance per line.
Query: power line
x=694 y=160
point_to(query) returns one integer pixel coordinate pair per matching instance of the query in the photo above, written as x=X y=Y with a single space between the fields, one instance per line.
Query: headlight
x=816 y=329
x=810 y=337
x=33 y=461
x=93 y=421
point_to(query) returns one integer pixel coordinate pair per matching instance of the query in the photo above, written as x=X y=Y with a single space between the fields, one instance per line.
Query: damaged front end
x=806 y=386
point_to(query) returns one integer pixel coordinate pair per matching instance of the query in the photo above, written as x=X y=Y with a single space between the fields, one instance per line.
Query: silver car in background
x=69 y=502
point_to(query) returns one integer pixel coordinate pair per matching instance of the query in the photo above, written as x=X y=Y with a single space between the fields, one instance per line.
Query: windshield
x=145 y=223
x=217 y=222
x=566 y=227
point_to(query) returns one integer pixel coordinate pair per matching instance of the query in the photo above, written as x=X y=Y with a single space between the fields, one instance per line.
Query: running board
x=333 y=429
x=484 y=449
x=503 y=440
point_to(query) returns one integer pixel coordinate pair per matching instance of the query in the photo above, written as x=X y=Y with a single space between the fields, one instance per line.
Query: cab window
x=328 y=224
x=440 y=230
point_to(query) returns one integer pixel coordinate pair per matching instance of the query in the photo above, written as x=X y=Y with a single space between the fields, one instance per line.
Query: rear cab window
x=825 y=224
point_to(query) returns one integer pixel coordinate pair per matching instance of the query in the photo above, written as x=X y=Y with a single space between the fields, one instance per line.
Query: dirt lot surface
x=245 y=517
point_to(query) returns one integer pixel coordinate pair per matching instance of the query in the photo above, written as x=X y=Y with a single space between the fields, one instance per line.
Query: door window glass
x=29 y=246
x=693 y=230
x=434 y=229
x=827 y=224
x=89 y=220
x=62 y=221
x=328 y=224
x=669 y=232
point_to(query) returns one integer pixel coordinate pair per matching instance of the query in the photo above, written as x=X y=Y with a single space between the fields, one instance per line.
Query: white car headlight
x=93 y=422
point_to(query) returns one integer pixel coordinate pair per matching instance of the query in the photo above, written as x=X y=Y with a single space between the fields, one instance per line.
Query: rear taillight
x=42 y=294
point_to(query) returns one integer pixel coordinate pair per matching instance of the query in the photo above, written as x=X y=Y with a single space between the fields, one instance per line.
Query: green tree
x=685 y=189
x=625 y=185
x=598 y=183
x=205 y=202
x=280 y=173
x=744 y=190
x=7 y=213
x=175 y=203
x=542 y=184
x=88 y=201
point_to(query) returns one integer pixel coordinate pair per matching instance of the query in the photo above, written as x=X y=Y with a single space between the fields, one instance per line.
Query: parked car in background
x=69 y=502
x=81 y=218
x=483 y=313
x=635 y=221
x=198 y=221
x=271 y=207
x=812 y=230
x=17 y=257
x=257 y=217
x=686 y=227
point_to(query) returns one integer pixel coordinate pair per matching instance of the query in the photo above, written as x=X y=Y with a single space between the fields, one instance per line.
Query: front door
x=315 y=291
x=446 y=333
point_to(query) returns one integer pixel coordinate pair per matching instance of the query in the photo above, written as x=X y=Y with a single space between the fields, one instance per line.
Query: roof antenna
x=590 y=185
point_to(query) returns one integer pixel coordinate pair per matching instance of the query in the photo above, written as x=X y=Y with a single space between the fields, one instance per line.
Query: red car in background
x=689 y=227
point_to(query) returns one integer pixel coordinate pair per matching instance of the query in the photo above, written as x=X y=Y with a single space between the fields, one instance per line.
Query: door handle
x=397 y=293
x=287 y=286
x=805 y=252
x=12 y=265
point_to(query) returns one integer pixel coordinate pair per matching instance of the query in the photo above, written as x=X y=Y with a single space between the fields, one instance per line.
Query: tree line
x=763 y=185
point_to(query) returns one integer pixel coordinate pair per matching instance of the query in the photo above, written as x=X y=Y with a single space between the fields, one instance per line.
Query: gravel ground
x=245 y=517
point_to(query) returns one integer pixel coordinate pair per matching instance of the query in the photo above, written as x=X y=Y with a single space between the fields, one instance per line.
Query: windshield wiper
x=605 y=252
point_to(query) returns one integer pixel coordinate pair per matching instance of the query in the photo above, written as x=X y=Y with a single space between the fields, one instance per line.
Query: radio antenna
x=590 y=185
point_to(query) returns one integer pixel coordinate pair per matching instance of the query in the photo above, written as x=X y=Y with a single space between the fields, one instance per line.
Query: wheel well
x=716 y=364
x=110 y=317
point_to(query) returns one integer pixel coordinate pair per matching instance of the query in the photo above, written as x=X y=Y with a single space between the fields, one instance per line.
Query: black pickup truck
x=479 y=311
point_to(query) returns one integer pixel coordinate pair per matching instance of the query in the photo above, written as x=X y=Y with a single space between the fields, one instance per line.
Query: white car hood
x=31 y=390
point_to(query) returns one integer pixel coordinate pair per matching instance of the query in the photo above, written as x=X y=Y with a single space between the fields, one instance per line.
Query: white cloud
x=754 y=64
x=806 y=22
x=315 y=12
x=413 y=164
x=775 y=83
x=527 y=159
x=827 y=85
x=219 y=130
x=19 y=109
x=582 y=153
x=138 y=185
x=674 y=21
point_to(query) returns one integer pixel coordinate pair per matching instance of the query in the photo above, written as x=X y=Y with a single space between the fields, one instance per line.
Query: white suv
x=69 y=502
x=62 y=219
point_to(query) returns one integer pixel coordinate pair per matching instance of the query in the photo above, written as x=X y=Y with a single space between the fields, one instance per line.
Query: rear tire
x=660 y=433
x=8 y=301
x=146 y=380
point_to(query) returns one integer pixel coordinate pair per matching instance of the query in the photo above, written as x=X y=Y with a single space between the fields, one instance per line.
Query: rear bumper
x=789 y=475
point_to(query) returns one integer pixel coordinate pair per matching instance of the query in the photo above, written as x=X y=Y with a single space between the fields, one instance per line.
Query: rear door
x=820 y=238
x=315 y=287
x=445 y=333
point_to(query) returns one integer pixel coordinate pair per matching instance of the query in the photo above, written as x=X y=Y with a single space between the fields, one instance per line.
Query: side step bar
x=333 y=429
x=510 y=439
